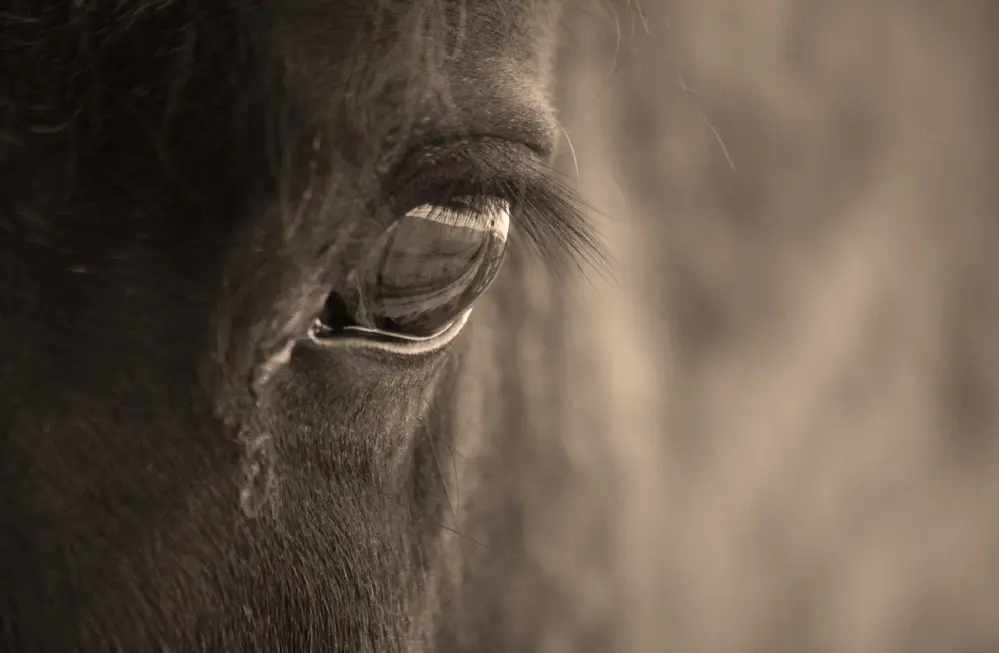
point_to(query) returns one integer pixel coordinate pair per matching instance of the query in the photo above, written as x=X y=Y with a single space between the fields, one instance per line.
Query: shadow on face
x=186 y=465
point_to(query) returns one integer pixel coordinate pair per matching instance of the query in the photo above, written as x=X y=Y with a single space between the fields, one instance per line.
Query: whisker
x=572 y=148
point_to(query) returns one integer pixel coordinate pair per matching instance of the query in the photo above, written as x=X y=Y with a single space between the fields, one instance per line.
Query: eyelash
x=549 y=220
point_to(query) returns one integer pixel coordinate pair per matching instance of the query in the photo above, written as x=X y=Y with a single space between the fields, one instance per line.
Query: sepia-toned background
x=800 y=353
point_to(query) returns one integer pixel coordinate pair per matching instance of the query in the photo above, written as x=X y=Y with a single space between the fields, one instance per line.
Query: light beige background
x=801 y=357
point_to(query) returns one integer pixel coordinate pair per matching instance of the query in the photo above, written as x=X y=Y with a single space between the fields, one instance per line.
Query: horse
x=775 y=434
x=246 y=401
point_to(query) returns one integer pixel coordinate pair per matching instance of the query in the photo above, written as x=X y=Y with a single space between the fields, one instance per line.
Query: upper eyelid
x=461 y=161
x=548 y=218
x=435 y=148
x=539 y=143
x=546 y=212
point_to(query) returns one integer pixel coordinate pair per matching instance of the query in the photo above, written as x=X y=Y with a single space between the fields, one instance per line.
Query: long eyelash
x=550 y=222
x=553 y=224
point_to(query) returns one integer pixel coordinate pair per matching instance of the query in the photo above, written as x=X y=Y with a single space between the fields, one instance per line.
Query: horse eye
x=422 y=274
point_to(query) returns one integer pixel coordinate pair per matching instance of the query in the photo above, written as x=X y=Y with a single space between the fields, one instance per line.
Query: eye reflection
x=425 y=271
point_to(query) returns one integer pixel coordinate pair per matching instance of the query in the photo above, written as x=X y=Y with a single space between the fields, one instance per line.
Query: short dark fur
x=174 y=176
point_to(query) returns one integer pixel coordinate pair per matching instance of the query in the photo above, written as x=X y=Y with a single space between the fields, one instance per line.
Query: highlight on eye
x=422 y=275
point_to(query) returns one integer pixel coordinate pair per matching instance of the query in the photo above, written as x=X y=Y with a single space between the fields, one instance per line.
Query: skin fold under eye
x=422 y=275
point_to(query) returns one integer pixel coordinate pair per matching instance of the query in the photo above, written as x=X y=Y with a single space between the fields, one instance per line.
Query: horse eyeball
x=423 y=272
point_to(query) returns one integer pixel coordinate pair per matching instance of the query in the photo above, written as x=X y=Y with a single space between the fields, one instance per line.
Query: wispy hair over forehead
x=59 y=54
x=80 y=75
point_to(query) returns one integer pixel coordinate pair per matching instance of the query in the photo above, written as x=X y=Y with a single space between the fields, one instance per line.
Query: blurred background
x=801 y=348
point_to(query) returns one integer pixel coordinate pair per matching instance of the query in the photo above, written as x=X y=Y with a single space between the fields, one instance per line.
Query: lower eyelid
x=391 y=345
